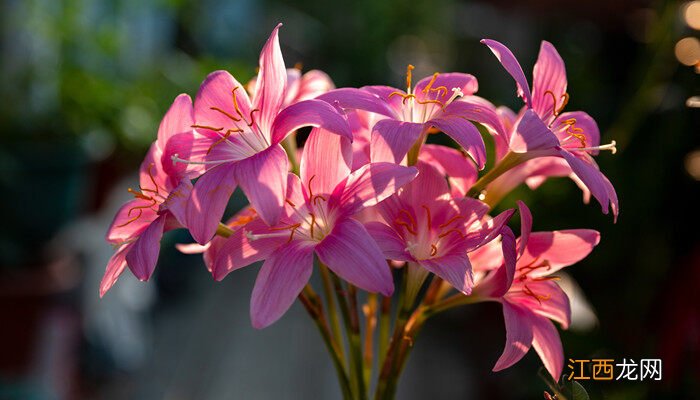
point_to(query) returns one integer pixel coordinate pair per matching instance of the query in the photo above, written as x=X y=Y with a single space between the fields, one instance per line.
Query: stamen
x=235 y=103
x=290 y=203
x=554 y=100
x=537 y=297
x=451 y=220
x=225 y=113
x=405 y=225
x=433 y=250
x=427 y=212
x=610 y=146
x=299 y=66
x=206 y=127
x=456 y=92
x=252 y=117
x=439 y=89
x=409 y=70
x=139 y=195
x=221 y=140
x=426 y=89
x=410 y=217
x=450 y=231
x=565 y=101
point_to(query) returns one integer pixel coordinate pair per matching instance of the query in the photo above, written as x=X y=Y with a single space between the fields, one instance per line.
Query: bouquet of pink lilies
x=383 y=211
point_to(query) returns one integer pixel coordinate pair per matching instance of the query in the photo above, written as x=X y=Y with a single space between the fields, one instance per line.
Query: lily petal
x=271 y=83
x=595 y=181
x=525 y=226
x=326 y=161
x=115 y=267
x=358 y=99
x=263 y=178
x=353 y=255
x=239 y=250
x=177 y=201
x=392 y=139
x=370 y=185
x=547 y=344
x=391 y=244
x=216 y=93
x=442 y=86
x=131 y=219
x=454 y=268
x=314 y=113
x=518 y=336
x=532 y=134
x=465 y=134
x=143 y=256
x=208 y=201
x=280 y=280
x=460 y=171
x=548 y=75
x=559 y=248
x=511 y=64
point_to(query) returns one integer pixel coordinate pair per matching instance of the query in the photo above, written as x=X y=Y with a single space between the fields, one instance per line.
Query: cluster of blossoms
x=370 y=198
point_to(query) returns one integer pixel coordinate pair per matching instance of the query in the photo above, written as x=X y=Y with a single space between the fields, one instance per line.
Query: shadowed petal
x=460 y=171
x=271 y=83
x=548 y=346
x=510 y=63
x=314 y=113
x=326 y=161
x=525 y=226
x=392 y=139
x=391 y=244
x=595 y=181
x=177 y=201
x=518 y=335
x=559 y=248
x=465 y=134
x=280 y=280
x=143 y=256
x=358 y=99
x=549 y=74
x=489 y=230
x=479 y=110
x=369 y=185
x=263 y=178
x=352 y=254
x=115 y=267
x=532 y=134
x=455 y=269
x=208 y=201
x=499 y=281
x=312 y=84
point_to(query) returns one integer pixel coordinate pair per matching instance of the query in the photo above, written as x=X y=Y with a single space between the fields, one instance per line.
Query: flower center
x=420 y=111
x=426 y=243
x=154 y=198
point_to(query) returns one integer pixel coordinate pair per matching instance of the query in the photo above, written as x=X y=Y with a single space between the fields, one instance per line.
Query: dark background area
x=84 y=84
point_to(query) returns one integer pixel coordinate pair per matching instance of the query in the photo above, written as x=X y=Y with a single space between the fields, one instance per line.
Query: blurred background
x=84 y=84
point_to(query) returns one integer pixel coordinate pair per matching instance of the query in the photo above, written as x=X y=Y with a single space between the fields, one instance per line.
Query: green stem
x=312 y=303
x=352 y=329
x=332 y=310
x=370 y=311
x=384 y=328
x=387 y=377
x=509 y=161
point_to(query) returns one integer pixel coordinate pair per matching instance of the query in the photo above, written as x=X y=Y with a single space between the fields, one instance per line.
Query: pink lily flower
x=543 y=130
x=158 y=206
x=431 y=106
x=237 y=140
x=528 y=291
x=424 y=225
x=318 y=218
